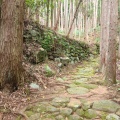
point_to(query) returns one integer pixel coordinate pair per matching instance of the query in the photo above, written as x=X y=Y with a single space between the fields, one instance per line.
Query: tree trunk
x=103 y=41
x=47 y=22
x=110 y=73
x=75 y=15
x=11 y=43
x=58 y=16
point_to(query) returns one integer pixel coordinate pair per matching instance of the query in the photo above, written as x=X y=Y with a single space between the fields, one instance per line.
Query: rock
x=90 y=114
x=57 y=60
x=64 y=60
x=106 y=106
x=86 y=106
x=51 y=109
x=35 y=116
x=48 y=71
x=40 y=107
x=57 y=104
x=61 y=100
x=65 y=111
x=75 y=117
x=34 y=33
x=112 y=117
x=77 y=90
x=60 y=65
x=118 y=112
x=74 y=103
x=60 y=117
x=81 y=80
x=80 y=112
x=34 y=86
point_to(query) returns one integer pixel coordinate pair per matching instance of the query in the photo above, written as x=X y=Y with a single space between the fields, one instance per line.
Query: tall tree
x=75 y=15
x=48 y=5
x=111 y=34
x=11 y=42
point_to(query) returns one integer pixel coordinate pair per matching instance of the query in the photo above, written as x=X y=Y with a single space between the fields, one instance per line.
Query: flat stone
x=112 y=117
x=51 y=109
x=106 y=106
x=77 y=90
x=81 y=80
x=90 y=114
x=57 y=104
x=65 y=111
x=61 y=100
x=74 y=103
x=75 y=117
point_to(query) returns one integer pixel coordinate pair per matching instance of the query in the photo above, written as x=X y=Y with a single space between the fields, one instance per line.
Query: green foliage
x=48 y=41
x=57 y=45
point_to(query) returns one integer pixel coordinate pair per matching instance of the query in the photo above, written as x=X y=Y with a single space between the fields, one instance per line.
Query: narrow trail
x=79 y=95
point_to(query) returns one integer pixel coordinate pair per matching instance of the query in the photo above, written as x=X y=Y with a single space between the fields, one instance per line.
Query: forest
x=59 y=59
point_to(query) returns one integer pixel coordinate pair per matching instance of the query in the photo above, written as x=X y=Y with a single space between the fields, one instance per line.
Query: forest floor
x=78 y=93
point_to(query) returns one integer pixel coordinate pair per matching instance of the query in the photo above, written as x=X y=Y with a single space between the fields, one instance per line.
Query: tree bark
x=110 y=73
x=48 y=5
x=11 y=43
x=75 y=15
x=103 y=41
x=58 y=16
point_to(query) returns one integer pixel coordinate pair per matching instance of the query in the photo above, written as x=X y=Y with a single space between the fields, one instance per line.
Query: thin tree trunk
x=11 y=42
x=103 y=41
x=75 y=14
x=58 y=16
x=48 y=4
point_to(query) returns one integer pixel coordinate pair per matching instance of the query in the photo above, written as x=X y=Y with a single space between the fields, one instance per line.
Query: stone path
x=82 y=98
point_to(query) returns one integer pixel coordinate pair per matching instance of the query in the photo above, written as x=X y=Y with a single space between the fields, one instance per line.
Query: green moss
x=29 y=113
x=53 y=43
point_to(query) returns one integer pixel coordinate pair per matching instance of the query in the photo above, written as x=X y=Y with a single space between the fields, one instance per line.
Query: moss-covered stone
x=75 y=117
x=51 y=109
x=74 y=103
x=90 y=114
x=77 y=90
x=80 y=112
x=112 y=117
x=106 y=105
x=61 y=100
x=65 y=111
x=29 y=113
x=55 y=44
